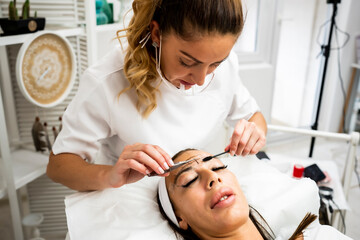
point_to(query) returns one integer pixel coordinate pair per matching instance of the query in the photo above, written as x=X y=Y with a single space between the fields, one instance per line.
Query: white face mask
x=194 y=90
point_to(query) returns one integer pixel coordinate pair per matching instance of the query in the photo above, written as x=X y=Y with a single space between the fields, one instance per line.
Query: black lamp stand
x=326 y=53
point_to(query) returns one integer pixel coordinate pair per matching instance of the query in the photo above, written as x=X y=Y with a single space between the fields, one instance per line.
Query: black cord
x=342 y=216
x=339 y=67
x=355 y=170
x=338 y=48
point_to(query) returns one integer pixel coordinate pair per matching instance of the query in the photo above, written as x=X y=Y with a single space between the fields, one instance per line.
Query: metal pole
x=326 y=54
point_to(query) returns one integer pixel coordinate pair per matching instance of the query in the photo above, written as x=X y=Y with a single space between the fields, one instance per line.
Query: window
x=256 y=41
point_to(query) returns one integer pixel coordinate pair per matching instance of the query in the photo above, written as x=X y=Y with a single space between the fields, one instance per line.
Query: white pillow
x=131 y=212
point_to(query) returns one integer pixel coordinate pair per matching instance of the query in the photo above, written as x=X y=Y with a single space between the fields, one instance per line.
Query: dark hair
x=189 y=17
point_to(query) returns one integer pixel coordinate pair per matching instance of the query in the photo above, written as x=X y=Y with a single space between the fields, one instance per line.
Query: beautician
x=172 y=88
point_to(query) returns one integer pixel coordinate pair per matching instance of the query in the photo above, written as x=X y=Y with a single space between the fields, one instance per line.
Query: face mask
x=194 y=90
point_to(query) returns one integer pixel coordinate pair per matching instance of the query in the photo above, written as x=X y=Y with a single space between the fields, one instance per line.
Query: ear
x=182 y=223
x=155 y=31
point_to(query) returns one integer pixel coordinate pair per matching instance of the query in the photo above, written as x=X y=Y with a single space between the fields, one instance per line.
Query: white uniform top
x=97 y=119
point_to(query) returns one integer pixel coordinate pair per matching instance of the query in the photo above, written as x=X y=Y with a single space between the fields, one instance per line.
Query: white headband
x=165 y=201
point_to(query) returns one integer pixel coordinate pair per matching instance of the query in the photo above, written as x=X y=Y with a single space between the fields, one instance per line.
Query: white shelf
x=21 y=38
x=355 y=65
x=27 y=166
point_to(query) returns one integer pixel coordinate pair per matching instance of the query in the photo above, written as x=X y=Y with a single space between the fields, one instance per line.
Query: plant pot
x=13 y=27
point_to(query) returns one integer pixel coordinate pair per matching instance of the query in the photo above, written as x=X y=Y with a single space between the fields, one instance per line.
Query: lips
x=186 y=83
x=223 y=197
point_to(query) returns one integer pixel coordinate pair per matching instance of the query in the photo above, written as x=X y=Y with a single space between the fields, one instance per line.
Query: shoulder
x=107 y=73
x=111 y=63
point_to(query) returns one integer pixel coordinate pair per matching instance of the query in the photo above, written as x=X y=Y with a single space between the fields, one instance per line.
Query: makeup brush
x=214 y=156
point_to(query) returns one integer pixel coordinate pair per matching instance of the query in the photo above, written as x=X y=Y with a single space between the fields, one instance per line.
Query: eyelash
x=184 y=64
x=193 y=180
x=189 y=66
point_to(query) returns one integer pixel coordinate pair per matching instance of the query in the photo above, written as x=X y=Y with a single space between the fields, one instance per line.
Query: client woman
x=203 y=200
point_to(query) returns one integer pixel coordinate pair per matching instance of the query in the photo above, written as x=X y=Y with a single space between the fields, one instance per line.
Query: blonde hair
x=140 y=66
x=183 y=18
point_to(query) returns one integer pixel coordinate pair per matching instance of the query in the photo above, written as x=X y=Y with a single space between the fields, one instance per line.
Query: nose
x=200 y=75
x=212 y=179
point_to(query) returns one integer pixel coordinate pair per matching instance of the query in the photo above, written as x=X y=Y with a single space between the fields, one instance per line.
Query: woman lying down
x=203 y=200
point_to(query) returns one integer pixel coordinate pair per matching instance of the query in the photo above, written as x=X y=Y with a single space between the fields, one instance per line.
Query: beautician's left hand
x=247 y=138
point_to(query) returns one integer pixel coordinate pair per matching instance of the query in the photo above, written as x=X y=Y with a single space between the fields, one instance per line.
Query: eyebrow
x=181 y=172
x=185 y=170
x=198 y=61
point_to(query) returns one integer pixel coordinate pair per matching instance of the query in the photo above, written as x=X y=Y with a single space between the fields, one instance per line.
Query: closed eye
x=213 y=169
x=189 y=183
x=185 y=64
x=219 y=168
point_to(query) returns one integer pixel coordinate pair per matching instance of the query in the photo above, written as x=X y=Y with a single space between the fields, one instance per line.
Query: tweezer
x=177 y=165
x=173 y=167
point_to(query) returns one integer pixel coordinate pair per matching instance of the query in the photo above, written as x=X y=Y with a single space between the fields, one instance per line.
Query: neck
x=244 y=232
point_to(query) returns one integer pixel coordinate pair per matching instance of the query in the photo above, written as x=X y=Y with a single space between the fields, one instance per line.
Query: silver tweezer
x=179 y=164
x=173 y=167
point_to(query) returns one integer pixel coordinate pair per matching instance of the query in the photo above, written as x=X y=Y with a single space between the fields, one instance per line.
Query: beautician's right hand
x=136 y=161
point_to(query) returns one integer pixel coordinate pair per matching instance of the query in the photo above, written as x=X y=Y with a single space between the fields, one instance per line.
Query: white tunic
x=97 y=119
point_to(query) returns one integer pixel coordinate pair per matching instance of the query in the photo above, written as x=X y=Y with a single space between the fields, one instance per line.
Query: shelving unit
x=20 y=165
x=353 y=106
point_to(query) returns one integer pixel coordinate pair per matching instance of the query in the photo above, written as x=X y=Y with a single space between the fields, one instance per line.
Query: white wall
x=299 y=65
x=348 y=20
x=259 y=80
x=295 y=42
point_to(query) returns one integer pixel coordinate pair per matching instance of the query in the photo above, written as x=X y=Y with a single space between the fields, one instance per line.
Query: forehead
x=190 y=154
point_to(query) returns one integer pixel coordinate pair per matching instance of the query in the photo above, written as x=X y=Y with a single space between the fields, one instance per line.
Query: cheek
x=191 y=201
x=172 y=68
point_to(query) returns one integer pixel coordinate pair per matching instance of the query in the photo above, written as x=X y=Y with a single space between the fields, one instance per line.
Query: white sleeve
x=243 y=105
x=85 y=121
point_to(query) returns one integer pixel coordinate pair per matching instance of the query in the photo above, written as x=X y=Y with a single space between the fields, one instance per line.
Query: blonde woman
x=173 y=87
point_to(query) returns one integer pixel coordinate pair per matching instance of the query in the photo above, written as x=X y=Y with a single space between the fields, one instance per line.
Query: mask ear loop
x=158 y=58
x=145 y=40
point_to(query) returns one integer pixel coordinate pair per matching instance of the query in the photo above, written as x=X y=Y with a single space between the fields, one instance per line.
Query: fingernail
x=147 y=172
x=166 y=166
x=161 y=170
x=171 y=162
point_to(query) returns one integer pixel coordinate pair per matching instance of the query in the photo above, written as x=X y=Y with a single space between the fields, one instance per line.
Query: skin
x=178 y=64
x=193 y=205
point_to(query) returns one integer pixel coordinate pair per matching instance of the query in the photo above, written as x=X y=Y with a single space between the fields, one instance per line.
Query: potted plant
x=24 y=24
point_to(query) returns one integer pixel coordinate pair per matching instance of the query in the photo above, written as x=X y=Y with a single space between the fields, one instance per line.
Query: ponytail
x=140 y=67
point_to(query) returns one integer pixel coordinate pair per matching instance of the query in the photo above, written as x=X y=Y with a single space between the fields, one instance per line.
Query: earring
x=155 y=44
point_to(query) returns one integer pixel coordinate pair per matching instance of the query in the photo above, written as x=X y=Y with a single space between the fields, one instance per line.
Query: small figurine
x=47 y=137
x=55 y=132
x=38 y=135
x=60 y=126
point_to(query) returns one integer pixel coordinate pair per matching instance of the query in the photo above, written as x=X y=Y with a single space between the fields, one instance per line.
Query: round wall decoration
x=46 y=68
